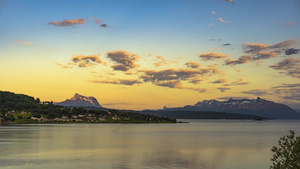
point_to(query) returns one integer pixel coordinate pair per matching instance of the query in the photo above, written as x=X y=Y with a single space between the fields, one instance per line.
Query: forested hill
x=11 y=101
x=21 y=108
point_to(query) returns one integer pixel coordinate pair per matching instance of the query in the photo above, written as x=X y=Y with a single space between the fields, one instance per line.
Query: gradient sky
x=146 y=54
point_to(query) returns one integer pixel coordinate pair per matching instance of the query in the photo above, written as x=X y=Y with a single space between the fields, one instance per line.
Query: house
x=2 y=119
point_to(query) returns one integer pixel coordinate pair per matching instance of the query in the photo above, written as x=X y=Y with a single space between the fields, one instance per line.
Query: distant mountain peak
x=258 y=106
x=80 y=101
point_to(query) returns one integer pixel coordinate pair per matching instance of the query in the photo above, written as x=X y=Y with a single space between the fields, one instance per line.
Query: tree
x=287 y=154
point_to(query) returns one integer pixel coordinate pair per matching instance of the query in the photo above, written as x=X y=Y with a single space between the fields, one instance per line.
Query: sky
x=146 y=54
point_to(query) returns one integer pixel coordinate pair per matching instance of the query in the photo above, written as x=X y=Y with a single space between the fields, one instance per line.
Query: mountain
x=80 y=101
x=257 y=107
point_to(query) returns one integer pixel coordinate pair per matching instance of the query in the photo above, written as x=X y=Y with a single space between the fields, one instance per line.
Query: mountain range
x=80 y=101
x=257 y=107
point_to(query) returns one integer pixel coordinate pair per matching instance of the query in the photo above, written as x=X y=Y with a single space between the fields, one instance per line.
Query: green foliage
x=287 y=154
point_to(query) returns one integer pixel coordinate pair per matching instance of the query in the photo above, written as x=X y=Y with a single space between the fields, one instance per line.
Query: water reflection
x=202 y=144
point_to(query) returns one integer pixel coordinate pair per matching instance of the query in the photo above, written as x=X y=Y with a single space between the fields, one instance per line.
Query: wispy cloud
x=64 y=66
x=223 y=89
x=289 y=66
x=241 y=60
x=162 y=61
x=229 y=1
x=221 y=20
x=237 y=83
x=289 y=23
x=85 y=61
x=96 y=20
x=66 y=22
x=220 y=81
x=125 y=59
x=213 y=12
x=24 y=43
x=256 y=92
x=227 y=44
x=193 y=65
x=128 y=82
x=212 y=56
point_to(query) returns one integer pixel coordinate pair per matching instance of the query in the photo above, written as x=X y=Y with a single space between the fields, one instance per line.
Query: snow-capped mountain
x=80 y=101
x=259 y=107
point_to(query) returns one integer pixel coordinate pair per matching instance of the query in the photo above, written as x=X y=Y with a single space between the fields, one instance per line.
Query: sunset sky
x=146 y=54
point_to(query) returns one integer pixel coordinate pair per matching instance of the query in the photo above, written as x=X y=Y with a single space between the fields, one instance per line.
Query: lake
x=199 y=144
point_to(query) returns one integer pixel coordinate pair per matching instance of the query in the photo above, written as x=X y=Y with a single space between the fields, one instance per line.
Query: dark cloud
x=220 y=81
x=123 y=58
x=193 y=65
x=103 y=25
x=256 y=92
x=212 y=56
x=289 y=66
x=68 y=22
x=129 y=82
x=292 y=51
x=241 y=60
x=85 y=61
x=120 y=67
x=227 y=44
x=223 y=89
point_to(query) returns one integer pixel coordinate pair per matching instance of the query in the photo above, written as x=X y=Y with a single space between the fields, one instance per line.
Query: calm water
x=198 y=144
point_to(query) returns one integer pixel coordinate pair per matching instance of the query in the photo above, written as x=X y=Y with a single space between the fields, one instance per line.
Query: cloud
x=212 y=56
x=193 y=65
x=104 y=25
x=24 y=43
x=215 y=39
x=162 y=61
x=85 y=61
x=96 y=20
x=68 y=22
x=123 y=58
x=128 y=82
x=256 y=92
x=220 y=81
x=292 y=51
x=241 y=60
x=227 y=44
x=213 y=12
x=288 y=91
x=259 y=51
x=177 y=85
x=223 y=89
x=172 y=78
x=229 y=1
x=64 y=66
x=289 y=24
x=221 y=20
x=234 y=98
x=237 y=83
x=120 y=67
x=289 y=66
x=211 y=24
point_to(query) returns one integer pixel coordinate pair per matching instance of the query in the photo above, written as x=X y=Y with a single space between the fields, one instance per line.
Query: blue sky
x=156 y=35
